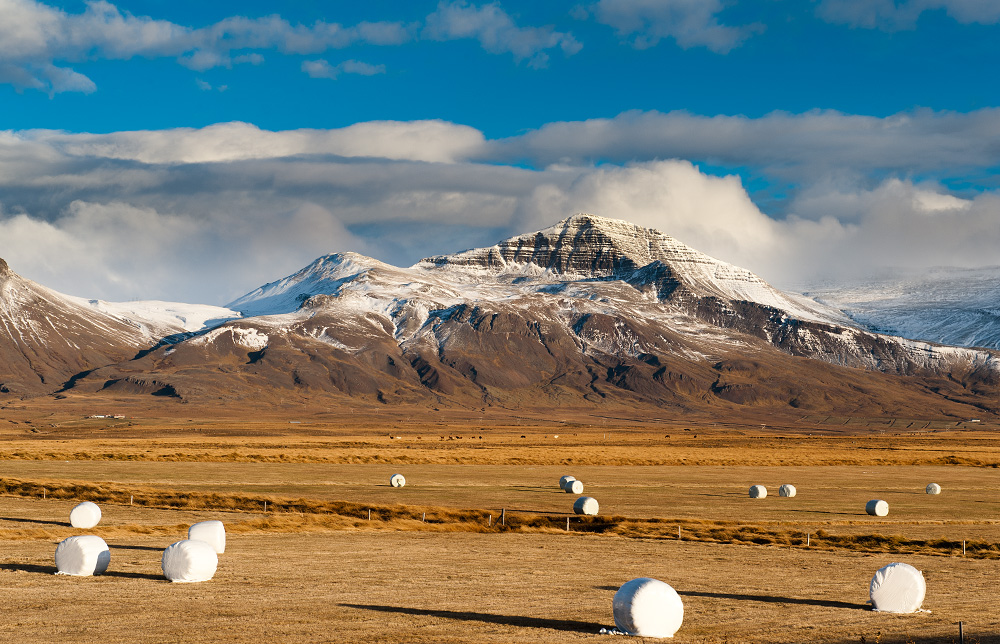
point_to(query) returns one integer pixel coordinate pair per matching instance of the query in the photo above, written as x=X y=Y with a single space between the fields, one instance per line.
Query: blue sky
x=185 y=150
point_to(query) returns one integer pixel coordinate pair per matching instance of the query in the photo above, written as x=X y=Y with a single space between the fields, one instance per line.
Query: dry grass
x=405 y=587
x=314 y=568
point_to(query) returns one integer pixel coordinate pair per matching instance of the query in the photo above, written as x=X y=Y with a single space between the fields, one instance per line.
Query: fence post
x=503 y=516
x=567 y=524
x=490 y=521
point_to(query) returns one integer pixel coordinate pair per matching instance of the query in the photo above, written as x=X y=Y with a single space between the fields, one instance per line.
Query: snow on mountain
x=569 y=258
x=952 y=306
x=158 y=319
x=588 y=310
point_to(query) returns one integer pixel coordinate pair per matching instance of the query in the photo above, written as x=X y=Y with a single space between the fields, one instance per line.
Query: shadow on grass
x=42 y=521
x=51 y=570
x=489 y=618
x=120 y=546
x=133 y=575
x=771 y=599
x=614 y=588
x=846 y=514
x=14 y=567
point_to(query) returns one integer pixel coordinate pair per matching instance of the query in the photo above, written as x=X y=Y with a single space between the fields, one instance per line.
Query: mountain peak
x=4 y=269
x=582 y=244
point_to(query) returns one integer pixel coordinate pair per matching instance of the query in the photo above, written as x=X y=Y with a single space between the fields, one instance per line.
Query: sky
x=174 y=150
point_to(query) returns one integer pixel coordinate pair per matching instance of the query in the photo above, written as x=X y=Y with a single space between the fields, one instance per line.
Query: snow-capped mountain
x=952 y=306
x=47 y=338
x=591 y=310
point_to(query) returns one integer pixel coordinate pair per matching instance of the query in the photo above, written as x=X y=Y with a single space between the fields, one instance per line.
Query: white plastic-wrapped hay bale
x=397 y=480
x=877 y=508
x=933 y=488
x=211 y=532
x=85 y=515
x=786 y=490
x=82 y=556
x=563 y=480
x=758 y=491
x=647 y=607
x=189 y=561
x=897 y=588
x=574 y=487
x=586 y=505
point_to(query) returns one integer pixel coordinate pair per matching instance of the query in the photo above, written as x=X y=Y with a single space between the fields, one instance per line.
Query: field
x=433 y=565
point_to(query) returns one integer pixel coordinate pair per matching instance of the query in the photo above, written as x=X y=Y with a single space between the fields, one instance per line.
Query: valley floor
x=314 y=568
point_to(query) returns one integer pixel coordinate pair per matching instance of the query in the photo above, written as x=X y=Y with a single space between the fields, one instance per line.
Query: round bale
x=897 y=588
x=211 y=532
x=586 y=505
x=574 y=487
x=82 y=556
x=647 y=607
x=786 y=490
x=397 y=480
x=877 y=508
x=564 y=480
x=85 y=515
x=758 y=492
x=933 y=488
x=189 y=561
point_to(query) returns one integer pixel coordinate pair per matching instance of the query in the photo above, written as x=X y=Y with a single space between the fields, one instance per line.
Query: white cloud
x=433 y=141
x=894 y=15
x=207 y=214
x=322 y=69
x=37 y=41
x=497 y=32
x=690 y=23
x=799 y=147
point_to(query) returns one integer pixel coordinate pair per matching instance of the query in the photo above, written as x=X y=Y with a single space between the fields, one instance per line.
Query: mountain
x=47 y=339
x=956 y=306
x=591 y=311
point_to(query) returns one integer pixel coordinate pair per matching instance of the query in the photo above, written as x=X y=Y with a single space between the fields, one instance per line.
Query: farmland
x=433 y=565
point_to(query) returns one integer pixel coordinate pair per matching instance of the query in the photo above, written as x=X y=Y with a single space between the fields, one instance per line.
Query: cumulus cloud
x=895 y=15
x=208 y=214
x=690 y=23
x=322 y=69
x=797 y=147
x=435 y=141
x=39 y=43
x=497 y=32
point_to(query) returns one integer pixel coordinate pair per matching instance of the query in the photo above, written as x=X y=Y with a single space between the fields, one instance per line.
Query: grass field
x=313 y=568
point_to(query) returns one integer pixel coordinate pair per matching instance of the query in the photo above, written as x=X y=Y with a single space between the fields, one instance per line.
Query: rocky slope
x=590 y=311
x=48 y=340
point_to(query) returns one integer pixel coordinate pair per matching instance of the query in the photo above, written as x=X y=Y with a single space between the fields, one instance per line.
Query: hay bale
x=877 y=508
x=189 y=561
x=574 y=487
x=786 y=490
x=933 y=488
x=397 y=480
x=564 y=480
x=897 y=588
x=82 y=556
x=85 y=515
x=211 y=532
x=758 y=492
x=586 y=505
x=647 y=607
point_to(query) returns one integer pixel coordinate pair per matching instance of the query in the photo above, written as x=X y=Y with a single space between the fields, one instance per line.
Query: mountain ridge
x=590 y=311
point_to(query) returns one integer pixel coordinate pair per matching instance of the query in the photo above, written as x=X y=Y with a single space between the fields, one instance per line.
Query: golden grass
x=304 y=515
